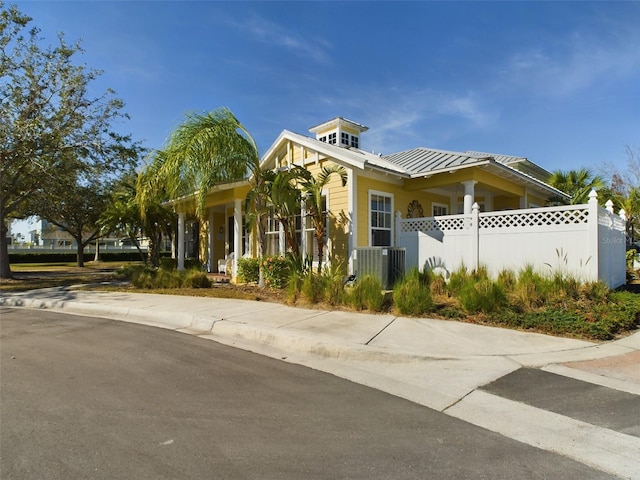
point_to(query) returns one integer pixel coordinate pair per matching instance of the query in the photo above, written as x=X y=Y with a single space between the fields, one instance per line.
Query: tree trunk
x=5 y=267
x=80 y=254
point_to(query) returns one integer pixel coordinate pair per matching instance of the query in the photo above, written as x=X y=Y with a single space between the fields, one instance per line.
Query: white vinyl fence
x=585 y=241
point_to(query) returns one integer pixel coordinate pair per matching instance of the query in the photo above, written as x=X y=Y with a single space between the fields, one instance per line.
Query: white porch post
x=594 y=241
x=181 y=241
x=352 y=187
x=210 y=239
x=237 y=234
x=469 y=194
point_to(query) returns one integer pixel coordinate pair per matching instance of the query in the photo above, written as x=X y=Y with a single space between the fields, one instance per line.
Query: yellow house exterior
x=416 y=183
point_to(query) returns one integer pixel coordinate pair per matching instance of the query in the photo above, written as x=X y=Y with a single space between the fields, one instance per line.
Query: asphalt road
x=89 y=398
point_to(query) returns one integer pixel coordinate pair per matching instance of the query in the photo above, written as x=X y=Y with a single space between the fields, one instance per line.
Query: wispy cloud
x=403 y=116
x=577 y=63
x=269 y=32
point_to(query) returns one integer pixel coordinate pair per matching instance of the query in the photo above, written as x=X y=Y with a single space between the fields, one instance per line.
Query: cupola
x=340 y=131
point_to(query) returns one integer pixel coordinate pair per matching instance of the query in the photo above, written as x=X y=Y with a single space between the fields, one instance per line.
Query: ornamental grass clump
x=412 y=295
x=367 y=294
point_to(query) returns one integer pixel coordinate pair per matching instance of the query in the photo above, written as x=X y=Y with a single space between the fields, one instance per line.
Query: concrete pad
x=601 y=448
x=345 y=326
x=553 y=357
x=457 y=339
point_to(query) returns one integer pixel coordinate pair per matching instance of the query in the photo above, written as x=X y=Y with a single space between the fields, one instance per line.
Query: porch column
x=211 y=235
x=237 y=234
x=352 y=189
x=180 y=241
x=469 y=194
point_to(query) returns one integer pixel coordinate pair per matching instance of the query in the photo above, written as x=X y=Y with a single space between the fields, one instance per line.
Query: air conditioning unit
x=384 y=263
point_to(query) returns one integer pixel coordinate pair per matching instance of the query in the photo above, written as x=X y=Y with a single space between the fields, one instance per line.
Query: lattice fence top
x=533 y=218
x=439 y=224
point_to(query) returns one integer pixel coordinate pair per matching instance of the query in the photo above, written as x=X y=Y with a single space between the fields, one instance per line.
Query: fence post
x=593 y=237
x=475 y=236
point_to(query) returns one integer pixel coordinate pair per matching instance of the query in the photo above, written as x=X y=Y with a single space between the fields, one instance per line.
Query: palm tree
x=205 y=150
x=575 y=183
x=285 y=200
x=312 y=188
x=202 y=152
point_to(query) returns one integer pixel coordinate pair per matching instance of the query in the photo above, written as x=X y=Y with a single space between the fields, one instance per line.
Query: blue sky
x=557 y=82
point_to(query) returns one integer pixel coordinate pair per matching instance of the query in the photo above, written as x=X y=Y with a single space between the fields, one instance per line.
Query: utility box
x=384 y=263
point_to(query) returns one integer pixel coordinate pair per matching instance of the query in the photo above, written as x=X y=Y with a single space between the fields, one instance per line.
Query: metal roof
x=424 y=160
x=506 y=159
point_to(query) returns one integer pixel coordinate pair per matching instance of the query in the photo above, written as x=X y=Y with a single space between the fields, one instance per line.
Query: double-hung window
x=272 y=235
x=380 y=218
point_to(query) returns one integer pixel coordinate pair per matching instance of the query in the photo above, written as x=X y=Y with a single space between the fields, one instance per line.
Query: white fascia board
x=341 y=155
x=528 y=179
x=216 y=188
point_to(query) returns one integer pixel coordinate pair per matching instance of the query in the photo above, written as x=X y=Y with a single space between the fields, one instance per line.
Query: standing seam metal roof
x=424 y=160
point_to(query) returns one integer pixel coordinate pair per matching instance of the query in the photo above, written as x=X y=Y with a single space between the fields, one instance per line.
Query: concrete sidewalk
x=439 y=364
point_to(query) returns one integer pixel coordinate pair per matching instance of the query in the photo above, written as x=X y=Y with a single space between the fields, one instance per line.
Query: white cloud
x=269 y=32
x=576 y=64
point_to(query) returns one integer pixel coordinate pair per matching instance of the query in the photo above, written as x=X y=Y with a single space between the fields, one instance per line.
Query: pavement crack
x=382 y=330
x=444 y=410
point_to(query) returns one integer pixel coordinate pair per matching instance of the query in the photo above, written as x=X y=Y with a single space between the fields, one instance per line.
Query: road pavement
x=449 y=366
x=89 y=398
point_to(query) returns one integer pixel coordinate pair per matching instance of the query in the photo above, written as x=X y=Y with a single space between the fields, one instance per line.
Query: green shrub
x=168 y=279
x=248 y=270
x=482 y=295
x=333 y=284
x=412 y=295
x=531 y=290
x=197 y=280
x=367 y=294
x=276 y=271
x=312 y=287
x=168 y=264
x=458 y=280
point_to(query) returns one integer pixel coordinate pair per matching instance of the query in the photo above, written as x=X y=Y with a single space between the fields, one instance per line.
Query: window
x=332 y=138
x=439 y=209
x=323 y=139
x=272 y=235
x=344 y=139
x=380 y=218
x=354 y=141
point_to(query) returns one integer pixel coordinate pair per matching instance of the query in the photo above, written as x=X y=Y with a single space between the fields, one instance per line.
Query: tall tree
x=52 y=131
x=576 y=183
x=76 y=210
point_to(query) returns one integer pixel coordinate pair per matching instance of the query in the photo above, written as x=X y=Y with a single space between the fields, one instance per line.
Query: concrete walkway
x=440 y=364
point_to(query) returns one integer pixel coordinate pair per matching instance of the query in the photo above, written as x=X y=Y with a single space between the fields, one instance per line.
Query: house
x=416 y=183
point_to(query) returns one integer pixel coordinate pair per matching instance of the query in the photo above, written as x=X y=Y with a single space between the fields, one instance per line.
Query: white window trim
x=441 y=205
x=383 y=194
